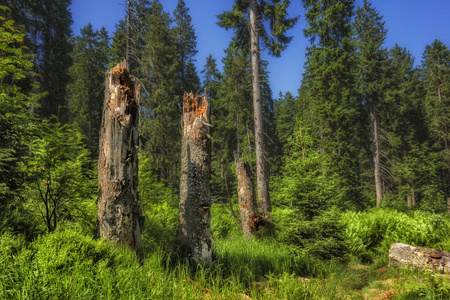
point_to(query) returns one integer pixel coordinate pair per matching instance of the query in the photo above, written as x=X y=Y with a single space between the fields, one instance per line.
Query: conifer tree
x=329 y=84
x=436 y=76
x=370 y=36
x=161 y=106
x=186 y=45
x=250 y=30
x=86 y=91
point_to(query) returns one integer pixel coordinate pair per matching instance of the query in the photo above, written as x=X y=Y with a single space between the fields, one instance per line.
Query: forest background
x=369 y=128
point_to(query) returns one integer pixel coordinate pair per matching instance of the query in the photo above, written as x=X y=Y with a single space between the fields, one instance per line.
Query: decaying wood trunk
x=246 y=195
x=194 y=232
x=119 y=215
x=421 y=258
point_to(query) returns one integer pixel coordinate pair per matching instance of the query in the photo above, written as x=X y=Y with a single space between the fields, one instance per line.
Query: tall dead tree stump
x=246 y=195
x=194 y=232
x=119 y=215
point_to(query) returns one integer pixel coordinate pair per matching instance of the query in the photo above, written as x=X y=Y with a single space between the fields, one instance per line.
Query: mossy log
x=420 y=258
x=194 y=232
x=119 y=215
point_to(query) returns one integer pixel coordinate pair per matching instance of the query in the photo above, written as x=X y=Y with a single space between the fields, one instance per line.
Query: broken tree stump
x=119 y=215
x=194 y=232
x=420 y=258
x=246 y=195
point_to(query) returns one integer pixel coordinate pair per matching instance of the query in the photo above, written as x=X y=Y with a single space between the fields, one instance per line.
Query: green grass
x=69 y=265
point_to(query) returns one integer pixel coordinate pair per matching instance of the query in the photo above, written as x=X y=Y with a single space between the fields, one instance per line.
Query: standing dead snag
x=119 y=215
x=246 y=195
x=194 y=232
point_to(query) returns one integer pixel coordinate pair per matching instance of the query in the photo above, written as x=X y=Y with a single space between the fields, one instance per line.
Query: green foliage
x=371 y=233
x=329 y=85
x=87 y=88
x=60 y=185
x=273 y=34
x=16 y=121
x=160 y=209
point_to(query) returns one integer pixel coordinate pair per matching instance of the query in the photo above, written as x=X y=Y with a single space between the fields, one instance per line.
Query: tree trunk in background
x=376 y=151
x=421 y=258
x=194 y=232
x=119 y=215
x=262 y=169
x=127 y=50
x=448 y=205
x=246 y=195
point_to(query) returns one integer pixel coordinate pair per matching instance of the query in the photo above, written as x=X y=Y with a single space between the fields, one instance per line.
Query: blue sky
x=412 y=24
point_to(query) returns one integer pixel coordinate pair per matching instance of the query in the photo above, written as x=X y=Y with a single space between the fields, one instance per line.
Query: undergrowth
x=67 y=264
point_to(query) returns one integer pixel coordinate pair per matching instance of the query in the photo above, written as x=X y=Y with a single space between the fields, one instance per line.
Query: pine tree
x=212 y=77
x=86 y=91
x=329 y=84
x=370 y=36
x=250 y=32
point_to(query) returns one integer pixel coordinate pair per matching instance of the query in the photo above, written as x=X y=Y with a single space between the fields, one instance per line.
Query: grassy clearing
x=69 y=265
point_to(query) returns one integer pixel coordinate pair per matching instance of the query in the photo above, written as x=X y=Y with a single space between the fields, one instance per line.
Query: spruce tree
x=436 y=77
x=186 y=45
x=250 y=32
x=86 y=91
x=329 y=83
x=370 y=36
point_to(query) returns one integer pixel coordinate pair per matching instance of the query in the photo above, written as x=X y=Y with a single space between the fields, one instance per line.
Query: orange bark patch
x=195 y=105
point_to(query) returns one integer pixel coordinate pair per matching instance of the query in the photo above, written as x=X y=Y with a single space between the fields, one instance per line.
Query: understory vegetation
x=68 y=264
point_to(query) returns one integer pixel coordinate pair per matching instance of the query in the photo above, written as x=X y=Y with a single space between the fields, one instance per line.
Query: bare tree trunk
x=119 y=215
x=127 y=50
x=262 y=169
x=194 y=232
x=376 y=151
x=246 y=195
x=448 y=205
x=421 y=258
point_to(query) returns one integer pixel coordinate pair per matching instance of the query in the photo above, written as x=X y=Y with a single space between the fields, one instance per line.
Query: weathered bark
x=194 y=232
x=119 y=215
x=262 y=168
x=246 y=195
x=420 y=258
x=376 y=151
x=448 y=205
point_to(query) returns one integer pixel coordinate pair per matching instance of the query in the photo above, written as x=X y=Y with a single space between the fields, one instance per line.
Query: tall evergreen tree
x=370 y=36
x=436 y=76
x=47 y=24
x=161 y=106
x=329 y=81
x=212 y=77
x=186 y=45
x=86 y=91
x=250 y=29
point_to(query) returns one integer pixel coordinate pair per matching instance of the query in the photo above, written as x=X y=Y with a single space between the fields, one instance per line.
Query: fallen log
x=420 y=258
